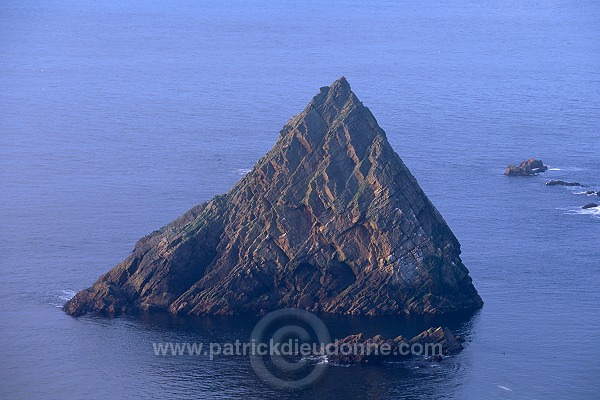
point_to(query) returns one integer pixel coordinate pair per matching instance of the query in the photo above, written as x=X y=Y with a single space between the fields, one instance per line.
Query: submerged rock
x=529 y=167
x=433 y=343
x=589 y=205
x=330 y=219
x=558 y=182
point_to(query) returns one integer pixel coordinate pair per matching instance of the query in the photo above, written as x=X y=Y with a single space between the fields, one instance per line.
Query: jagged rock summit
x=330 y=220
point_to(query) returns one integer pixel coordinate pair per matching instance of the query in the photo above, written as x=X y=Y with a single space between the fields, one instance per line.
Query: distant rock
x=562 y=183
x=589 y=205
x=329 y=220
x=367 y=350
x=530 y=167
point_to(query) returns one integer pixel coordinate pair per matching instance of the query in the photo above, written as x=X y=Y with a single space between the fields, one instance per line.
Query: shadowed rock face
x=329 y=220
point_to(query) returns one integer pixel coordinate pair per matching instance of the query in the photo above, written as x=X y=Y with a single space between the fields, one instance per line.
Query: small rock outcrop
x=591 y=193
x=450 y=343
x=590 y=205
x=433 y=343
x=529 y=167
x=558 y=182
x=330 y=220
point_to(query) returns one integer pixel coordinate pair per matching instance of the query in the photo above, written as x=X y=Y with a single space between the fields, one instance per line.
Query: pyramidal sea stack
x=329 y=220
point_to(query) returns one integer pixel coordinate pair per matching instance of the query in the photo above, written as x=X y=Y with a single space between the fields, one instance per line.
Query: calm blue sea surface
x=117 y=116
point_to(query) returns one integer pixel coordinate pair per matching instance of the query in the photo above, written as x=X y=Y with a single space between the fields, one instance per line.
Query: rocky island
x=558 y=182
x=529 y=167
x=372 y=347
x=329 y=220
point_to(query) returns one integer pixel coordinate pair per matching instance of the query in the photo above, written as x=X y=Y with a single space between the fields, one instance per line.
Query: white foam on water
x=567 y=169
x=243 y=171
x=505 y=388
x=58 y=298
x=338 y=365
x=593 y=194
x=316 y=359
x=67 y=294
x=594 y=211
